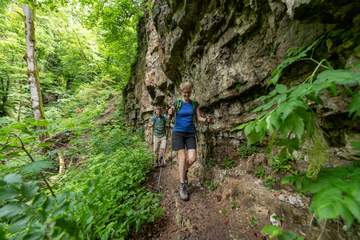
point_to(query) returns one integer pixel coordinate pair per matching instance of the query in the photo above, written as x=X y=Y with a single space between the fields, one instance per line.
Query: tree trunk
x=36 y=100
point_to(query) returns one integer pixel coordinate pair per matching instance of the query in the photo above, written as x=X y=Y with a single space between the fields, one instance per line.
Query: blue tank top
x=184 y=118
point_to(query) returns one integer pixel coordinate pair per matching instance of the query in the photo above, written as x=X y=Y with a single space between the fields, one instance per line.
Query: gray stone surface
x=227 y=49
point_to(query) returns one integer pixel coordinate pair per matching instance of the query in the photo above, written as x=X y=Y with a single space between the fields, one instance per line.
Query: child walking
x=158 y=123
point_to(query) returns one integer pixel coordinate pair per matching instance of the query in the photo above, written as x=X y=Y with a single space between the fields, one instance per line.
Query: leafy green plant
x=99 y=207
x=279 y=233
x=247 y=150
x=210 y=163
x=260 y=172
x=211 y=185
x=287 y=116
x=282 y=163
x=234 y=205
x=253 y=221
x=356 y=146
x=228 y=163
x=293 y=55
x=28 y=213
x=269 y=181
x=335 y=192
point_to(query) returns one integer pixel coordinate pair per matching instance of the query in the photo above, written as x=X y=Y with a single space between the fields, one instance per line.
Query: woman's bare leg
x=182 y=164
x=191 y=158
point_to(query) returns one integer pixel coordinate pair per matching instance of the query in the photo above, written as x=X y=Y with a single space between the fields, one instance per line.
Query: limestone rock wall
x=228 y=49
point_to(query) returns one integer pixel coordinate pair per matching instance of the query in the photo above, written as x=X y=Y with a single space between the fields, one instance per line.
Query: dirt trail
x=208 y=215
x=237 y=209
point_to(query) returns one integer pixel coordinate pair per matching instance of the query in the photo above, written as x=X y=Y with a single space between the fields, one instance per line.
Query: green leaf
x=322 y=186
x=11 y=210
x=2 y=231
x=339 y=76
x=19 y=224
x=290 y=59
x=354 y=107
x=272 y=231
x=240 y=127
x=346 y=215
x=37 y=166
x=29 y=189
x=280 y=88
x=293 y=123
x=287 y=180
x=327 y=211
x=353 y=206
x=249 y=128
x=13 y=178
x=290 y=236
x=355 y=193
x=7 y=193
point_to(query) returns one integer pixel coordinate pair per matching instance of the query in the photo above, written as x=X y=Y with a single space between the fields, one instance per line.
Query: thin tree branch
x=33 y=160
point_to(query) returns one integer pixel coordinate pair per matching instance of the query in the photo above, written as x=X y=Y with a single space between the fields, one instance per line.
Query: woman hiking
x=183 y=137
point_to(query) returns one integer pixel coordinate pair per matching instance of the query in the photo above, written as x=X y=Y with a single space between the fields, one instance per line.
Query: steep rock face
x=228 y=49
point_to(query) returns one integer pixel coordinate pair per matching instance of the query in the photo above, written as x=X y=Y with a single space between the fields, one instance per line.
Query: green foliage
x=84 y=57
x=118 y=23
x=293 y=55
x=211 y=184
x=253 y=221
x=210 y=163
x=246 y=150
x=15 y=139
x=99 y=207
x=356 y=146
x=69 y=53
x=288 y=118
x=114 y=213
x=269 y=181
x=228 y=163
x=260 y=172
x=354 y=108
x=279 y=233
x=27 y=213
x=336 y=192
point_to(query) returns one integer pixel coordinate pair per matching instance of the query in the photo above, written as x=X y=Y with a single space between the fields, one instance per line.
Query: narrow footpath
x=236 y=208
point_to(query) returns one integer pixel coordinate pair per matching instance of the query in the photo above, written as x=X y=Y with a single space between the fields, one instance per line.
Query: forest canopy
x=76 y=43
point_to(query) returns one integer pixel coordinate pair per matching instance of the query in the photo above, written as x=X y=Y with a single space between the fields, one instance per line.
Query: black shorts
x=183 y=140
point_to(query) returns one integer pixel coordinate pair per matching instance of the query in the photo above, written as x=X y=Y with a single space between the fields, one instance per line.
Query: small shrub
x=228 y=163
x=275 y=232
x=211 y=185
x=335 y=192
x=246 y=151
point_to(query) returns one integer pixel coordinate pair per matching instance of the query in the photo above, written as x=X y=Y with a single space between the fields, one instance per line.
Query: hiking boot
x=161 y=162
x=156 y=164
x=183 y=191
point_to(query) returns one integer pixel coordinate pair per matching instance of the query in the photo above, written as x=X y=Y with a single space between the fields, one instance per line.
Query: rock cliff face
x=228 y=49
